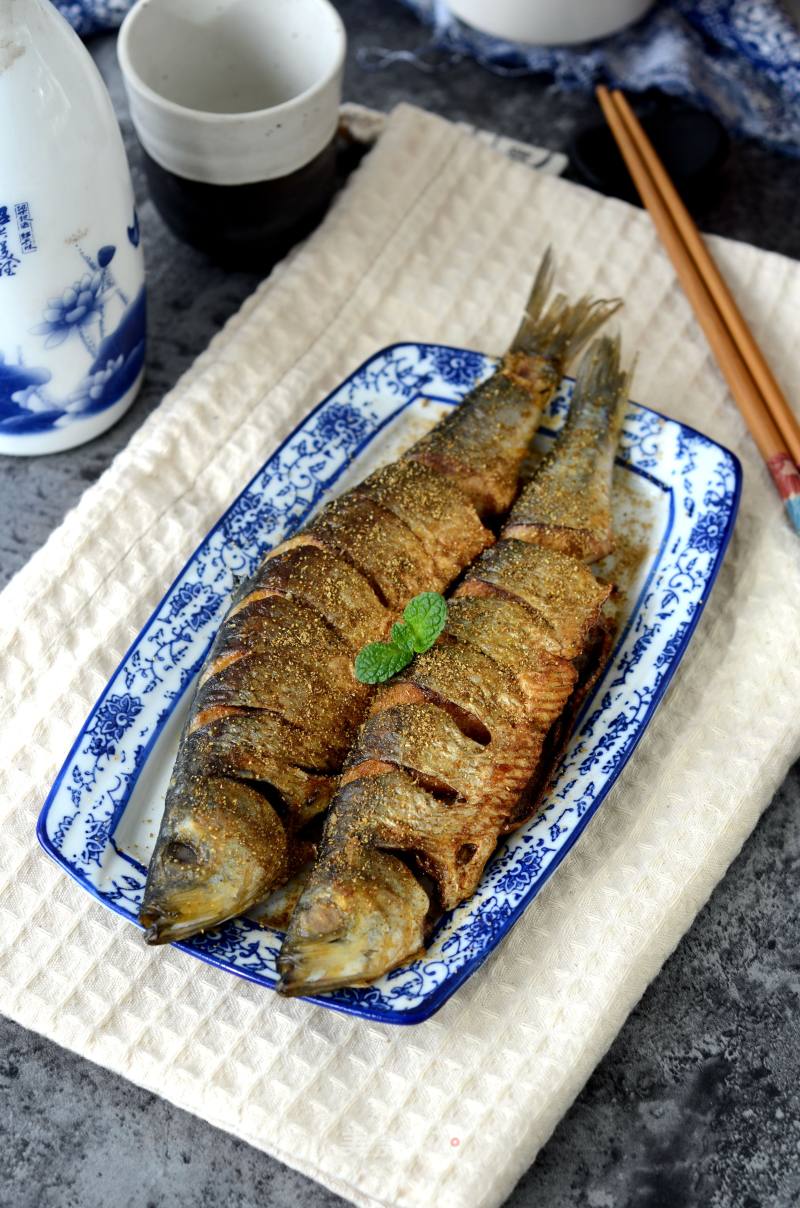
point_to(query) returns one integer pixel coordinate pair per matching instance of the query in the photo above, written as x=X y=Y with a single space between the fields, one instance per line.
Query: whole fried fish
x=458 y=747
x=277 y=704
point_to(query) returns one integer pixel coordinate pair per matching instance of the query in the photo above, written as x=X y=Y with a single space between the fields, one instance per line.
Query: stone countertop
x=696 y=1102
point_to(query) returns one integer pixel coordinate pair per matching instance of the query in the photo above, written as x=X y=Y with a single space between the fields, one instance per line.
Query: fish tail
x=567 y=503
x=559 y=330
x=601 y=382
x=600 y=397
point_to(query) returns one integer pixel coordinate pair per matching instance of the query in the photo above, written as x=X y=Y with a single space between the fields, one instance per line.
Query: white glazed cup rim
x=223 y=147
x=223 y=119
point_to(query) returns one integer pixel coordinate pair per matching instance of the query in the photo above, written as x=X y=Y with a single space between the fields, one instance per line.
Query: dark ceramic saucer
x=691 y=143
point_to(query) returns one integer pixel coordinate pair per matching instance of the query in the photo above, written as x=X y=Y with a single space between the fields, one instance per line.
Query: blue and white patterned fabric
x=93 y=16
x=738 y=58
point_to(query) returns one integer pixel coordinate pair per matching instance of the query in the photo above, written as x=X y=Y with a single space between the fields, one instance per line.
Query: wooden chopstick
x=752 y=355
x=743 y=370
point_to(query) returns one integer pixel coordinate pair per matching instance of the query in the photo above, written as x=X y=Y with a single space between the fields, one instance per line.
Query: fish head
x=221 y=848
x=354 y=921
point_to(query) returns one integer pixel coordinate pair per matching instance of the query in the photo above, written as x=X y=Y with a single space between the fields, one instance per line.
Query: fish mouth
x=161 y=927
x=297 y=978
x=294 y=981
x=296 y=988
x=304 y=971
x=320 y=964
x=303 y=989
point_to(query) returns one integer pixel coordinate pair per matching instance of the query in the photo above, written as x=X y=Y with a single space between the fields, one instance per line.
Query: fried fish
x=277 y=705
x=457 y=748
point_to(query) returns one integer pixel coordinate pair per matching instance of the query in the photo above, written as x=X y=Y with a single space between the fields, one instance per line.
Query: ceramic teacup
x=235 y=103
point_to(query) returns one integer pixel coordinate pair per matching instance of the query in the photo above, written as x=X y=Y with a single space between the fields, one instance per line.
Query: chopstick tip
x=793 y=512
x=785 y=475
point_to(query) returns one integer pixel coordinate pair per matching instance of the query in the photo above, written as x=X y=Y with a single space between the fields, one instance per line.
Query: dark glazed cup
x=236 y=103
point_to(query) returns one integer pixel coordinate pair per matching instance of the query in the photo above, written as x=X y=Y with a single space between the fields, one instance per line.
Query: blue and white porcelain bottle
x=72 y=298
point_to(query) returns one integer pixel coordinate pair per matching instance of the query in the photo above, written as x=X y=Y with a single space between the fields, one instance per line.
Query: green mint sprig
x=423 y=620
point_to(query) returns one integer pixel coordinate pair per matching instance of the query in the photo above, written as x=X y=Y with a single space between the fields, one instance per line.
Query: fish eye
x=181 y=853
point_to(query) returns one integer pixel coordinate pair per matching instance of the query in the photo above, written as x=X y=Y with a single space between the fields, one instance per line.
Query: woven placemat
x=436 y=237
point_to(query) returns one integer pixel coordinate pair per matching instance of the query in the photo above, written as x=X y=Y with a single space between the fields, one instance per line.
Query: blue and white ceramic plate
x=676 y=494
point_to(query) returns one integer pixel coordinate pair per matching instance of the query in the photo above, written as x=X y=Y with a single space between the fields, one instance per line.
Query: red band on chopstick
x=784 y=475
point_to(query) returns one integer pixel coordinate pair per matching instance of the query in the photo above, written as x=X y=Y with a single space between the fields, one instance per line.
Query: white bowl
x=549 y=22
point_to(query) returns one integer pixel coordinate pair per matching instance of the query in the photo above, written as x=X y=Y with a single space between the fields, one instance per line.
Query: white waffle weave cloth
x=436 y=238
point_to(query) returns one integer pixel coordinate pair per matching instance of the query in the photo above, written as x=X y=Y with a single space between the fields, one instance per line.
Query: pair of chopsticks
x=758 y=396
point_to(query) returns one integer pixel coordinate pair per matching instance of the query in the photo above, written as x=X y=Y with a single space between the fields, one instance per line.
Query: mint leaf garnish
x=379 y=661
x=425 y=616
x=402 y=637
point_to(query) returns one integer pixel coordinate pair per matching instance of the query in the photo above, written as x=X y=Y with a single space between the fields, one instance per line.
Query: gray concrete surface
x=697 y=1103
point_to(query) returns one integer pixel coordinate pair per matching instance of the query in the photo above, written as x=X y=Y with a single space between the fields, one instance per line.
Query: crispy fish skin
x=510 y=407
x=525 y=645
x=453 y=748
x=483 y=446
x=277 y=655
x=417 y=736
x=277 y=704
x=382 y=548
x=277 y=707
x=436 y=514
x=325 y=584
x=542 y=579
x=567 y=502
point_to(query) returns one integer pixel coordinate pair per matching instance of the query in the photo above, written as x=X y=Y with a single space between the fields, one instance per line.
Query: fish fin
x=558 y=331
